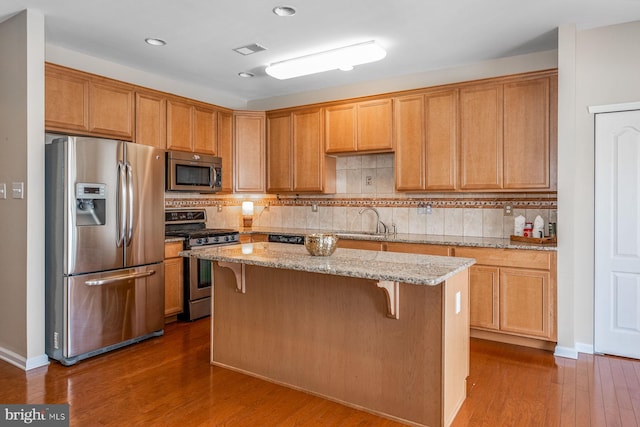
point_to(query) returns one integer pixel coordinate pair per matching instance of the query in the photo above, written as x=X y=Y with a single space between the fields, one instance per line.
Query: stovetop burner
x=190 y=224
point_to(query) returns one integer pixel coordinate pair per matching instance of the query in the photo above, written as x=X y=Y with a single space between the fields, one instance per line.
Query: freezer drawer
x=109 y=310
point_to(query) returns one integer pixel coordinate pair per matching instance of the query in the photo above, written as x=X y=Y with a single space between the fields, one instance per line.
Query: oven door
x=200 y=279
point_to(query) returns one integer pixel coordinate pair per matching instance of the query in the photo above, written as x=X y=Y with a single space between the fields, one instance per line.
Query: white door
x=617 y=234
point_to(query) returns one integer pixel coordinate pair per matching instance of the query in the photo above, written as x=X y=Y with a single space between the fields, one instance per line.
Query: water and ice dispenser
x=91 y=201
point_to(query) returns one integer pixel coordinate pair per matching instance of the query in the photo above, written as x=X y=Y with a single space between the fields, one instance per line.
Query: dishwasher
x=293 y=239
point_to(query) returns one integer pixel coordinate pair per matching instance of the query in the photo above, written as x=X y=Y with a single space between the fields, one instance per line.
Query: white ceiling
x=419 y=35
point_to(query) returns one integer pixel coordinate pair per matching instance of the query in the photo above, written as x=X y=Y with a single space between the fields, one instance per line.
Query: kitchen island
x=384 y=332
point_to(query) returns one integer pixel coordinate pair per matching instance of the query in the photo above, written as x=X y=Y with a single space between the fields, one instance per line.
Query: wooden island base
x=331 y=336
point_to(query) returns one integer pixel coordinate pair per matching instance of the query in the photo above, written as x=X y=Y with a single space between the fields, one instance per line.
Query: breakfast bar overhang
x=384 y=332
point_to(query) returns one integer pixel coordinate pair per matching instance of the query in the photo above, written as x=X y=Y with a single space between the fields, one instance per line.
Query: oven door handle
x=114 y=279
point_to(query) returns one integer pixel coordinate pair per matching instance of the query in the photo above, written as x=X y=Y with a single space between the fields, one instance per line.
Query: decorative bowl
x=319 y=244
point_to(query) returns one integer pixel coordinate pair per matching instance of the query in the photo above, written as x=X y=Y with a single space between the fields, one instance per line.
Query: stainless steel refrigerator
x=104 y=243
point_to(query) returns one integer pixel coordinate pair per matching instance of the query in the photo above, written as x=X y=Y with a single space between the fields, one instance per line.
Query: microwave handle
x=212 y=176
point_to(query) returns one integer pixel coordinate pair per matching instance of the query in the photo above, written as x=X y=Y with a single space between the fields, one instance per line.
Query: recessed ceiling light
x=155 y=42
x=246 y=74
x=284 y=10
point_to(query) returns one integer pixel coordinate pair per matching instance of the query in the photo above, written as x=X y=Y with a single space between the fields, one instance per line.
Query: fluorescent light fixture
x=343 y=58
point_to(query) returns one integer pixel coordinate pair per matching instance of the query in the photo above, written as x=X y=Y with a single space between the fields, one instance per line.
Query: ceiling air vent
x=249 y=49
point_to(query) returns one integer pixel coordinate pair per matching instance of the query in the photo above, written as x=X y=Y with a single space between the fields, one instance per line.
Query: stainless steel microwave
x=191 y=172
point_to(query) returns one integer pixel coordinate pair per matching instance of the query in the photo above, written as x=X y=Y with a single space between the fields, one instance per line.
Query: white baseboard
x=566 y=352
x=584 y=348
x=572 y=352
x=21 y=362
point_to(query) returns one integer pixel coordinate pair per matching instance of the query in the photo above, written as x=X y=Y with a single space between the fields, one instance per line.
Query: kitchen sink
x=360 y=234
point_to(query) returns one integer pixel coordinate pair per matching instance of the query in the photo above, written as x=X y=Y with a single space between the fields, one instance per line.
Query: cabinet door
x=484 y=295
x=441 y=140
x=179 y=126
x=111 y=109
x=279 y=160
x=375 y=125
x=173 y=290
x=225 y=149
x=151 y=120
x=340 y=128
x=525 y=302
x=308 y=151
x=205 y=132
x=526 y=134
x=481 y=138
x=249 y=152
x=409 y=118
x=66 y=100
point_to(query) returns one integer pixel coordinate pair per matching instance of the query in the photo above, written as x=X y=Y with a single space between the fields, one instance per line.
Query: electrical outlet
x=368 y=180
x=314 y=207
x=3 y=190
x=424 y=209
x=508 y=210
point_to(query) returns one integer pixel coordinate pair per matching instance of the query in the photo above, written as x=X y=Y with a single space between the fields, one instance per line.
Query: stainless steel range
x=198 y=274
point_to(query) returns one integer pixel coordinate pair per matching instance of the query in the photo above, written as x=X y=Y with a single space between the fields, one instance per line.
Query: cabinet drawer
x=171 y=249
x=418 y=248
x=370 y=245
x=507 y=257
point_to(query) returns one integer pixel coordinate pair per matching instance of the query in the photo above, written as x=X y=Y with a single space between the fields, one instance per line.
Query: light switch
x=3 y=190
x=458 y=308
x=18 y=190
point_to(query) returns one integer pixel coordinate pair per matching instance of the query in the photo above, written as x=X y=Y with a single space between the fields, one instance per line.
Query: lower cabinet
x=513 y=292
x=173 y=279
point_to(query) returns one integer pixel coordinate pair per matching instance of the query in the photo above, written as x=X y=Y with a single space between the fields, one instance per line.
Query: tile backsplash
x=368 y=180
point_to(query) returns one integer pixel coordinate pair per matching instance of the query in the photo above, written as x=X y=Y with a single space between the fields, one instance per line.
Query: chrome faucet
x=380 y=226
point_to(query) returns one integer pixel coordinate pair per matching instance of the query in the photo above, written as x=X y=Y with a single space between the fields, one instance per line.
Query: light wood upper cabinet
x=481 y=138
x=179 y=125
x=425 y=139
x=151 y=119
x=111 y=109
x=340 y=132
x=82 y=103
x=225 y=149
x=526 y=134
x=365 y=126
x=205 y=132
x=375 y=125
x=249 y=151
x=508 y=136
x=279 y=160
x=313 y=171
x=191 y=126
x=66 y=100
x=296 y=158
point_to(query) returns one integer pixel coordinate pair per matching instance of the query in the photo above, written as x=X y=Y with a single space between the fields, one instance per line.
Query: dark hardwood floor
x=168 y=381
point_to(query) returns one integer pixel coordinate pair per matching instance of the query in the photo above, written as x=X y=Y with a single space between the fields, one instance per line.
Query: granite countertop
x=374 y=265
x=173 y=239
x=429 y=239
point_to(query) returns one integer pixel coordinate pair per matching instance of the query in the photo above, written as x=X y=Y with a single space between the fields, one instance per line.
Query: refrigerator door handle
x=114 y=279
x=121 y=214
x=131 y=202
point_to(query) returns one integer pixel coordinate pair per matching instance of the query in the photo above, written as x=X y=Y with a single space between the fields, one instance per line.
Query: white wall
x=480 y=70
x=22 y=160
x=596 y=67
